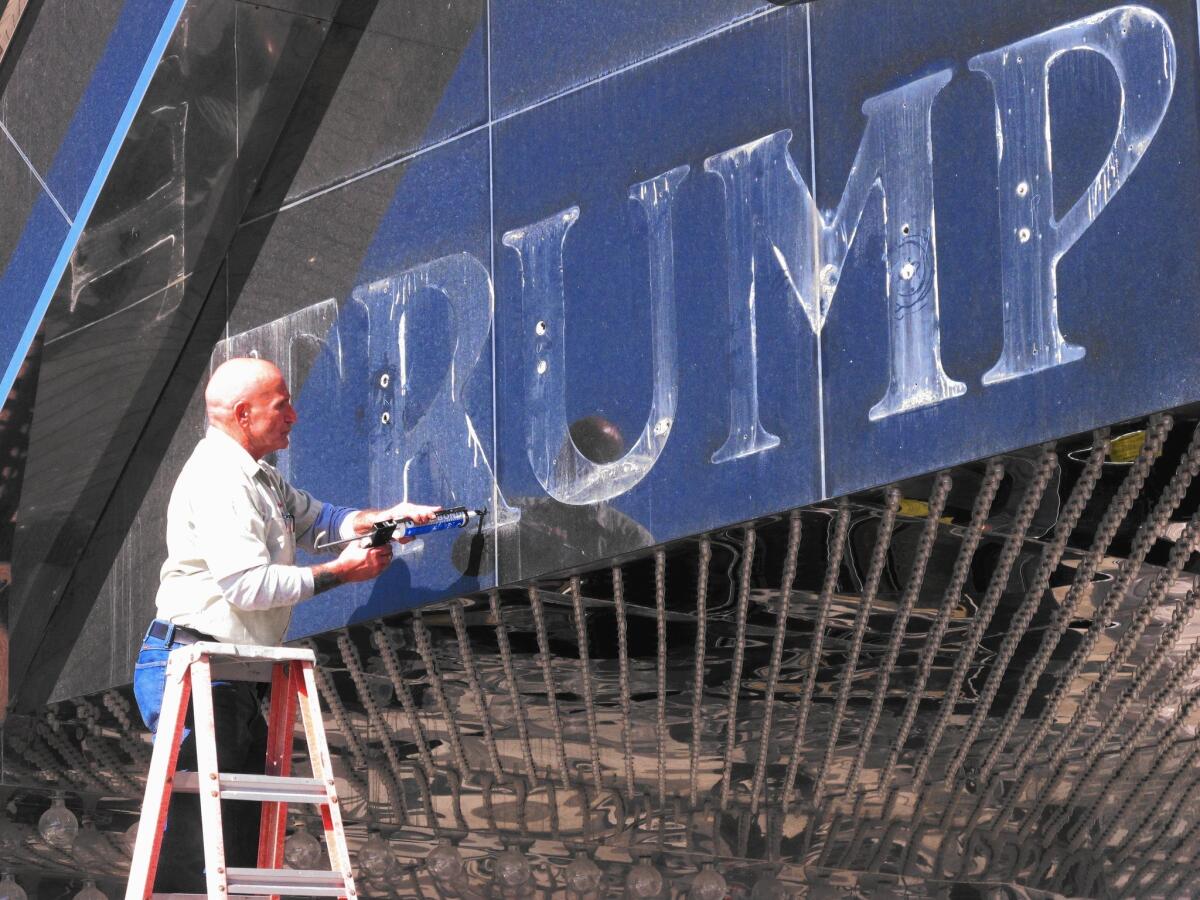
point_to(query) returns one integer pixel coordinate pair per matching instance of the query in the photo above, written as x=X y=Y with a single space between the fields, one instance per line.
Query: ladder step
x=204 y=896
x=296 y=882
x=261 y=788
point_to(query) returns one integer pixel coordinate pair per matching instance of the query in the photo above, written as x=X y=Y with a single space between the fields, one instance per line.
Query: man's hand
x=404 y=510
x=358 y=561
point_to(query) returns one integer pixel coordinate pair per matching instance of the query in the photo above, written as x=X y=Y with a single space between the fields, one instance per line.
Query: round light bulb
x=708 y=885
x=91 y=892
x=375 y=856
x=512 y=868
x=444 y=862
x=301 y=850
x=644 y=880
x=582 y=875
x=58 y=825
x=768 y=888
x=10 y=890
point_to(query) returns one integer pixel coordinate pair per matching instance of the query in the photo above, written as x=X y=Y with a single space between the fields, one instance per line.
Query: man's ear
x=241 y=412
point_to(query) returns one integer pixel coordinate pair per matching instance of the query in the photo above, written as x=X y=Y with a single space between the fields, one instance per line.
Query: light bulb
x=512 y=869
x=644 y=880
x=582 y=875
x=444 y=862
x=768 y=888
x=58 y=824
x=10 y=890
x=708 y=885
x=301 y=850
x=91 y=892
x=375 y=856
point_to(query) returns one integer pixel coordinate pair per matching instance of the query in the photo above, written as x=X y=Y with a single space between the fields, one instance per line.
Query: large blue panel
x=543 y=47
x=394 y=387
x=646 y=284
x=1126 y=289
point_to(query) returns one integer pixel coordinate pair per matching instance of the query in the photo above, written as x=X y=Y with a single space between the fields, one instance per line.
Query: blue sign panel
x=725 y=262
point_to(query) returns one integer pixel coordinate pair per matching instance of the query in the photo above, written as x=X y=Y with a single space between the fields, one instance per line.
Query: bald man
x=233 y=525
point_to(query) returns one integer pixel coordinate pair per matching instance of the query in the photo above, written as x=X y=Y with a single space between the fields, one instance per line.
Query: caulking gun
x=382 y=532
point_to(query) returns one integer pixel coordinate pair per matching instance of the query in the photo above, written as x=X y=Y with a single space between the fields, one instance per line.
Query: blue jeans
x=241 y=747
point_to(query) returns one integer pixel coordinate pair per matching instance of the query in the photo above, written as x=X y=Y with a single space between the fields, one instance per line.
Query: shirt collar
x=231 y=450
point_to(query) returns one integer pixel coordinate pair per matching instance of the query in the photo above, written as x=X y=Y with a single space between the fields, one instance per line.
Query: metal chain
x=698 y=677
x=510 y=677
x=950 y=600
x=916 y=577
x=434 y=677
x=118 y=707
x=37 y=754
x=623 y=678
x=660 y=726
x=1163 y=582
x=1091 y=755
x=1144 y=539
x=341 y=717
x=1130 y=746
x=833 y=567
x=539 y=622
x=585 y=671
x=1165 y=746
x=51 y=732
x=381 y=637
x=1013 y=545
x=1052 y=554
x=1061 y=618
x=375 y=717
x=98 y=745
x=735 y=675
x=786 y=582
x=472 y=672
x=883 y=540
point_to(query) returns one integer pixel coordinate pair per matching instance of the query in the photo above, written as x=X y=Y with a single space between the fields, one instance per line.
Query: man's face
x=268 y=418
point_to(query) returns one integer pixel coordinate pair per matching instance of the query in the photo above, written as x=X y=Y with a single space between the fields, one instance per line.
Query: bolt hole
x=540 y=327
x=541 y=367
x=385 y=418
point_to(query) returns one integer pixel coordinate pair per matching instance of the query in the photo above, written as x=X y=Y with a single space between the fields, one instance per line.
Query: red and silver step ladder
x=190 y=671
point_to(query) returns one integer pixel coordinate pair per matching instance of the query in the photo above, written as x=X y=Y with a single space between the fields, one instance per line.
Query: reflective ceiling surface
x=978 y=683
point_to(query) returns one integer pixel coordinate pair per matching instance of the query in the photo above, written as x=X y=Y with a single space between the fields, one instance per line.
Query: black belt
x=175 y=634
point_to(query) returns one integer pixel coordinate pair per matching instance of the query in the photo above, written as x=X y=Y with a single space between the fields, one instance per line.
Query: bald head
x=248 y=399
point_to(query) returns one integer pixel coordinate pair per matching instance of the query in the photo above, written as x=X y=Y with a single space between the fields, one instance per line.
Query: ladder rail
x=148 y=843
x=280 y=732
x=207 y=768
x=322 y=768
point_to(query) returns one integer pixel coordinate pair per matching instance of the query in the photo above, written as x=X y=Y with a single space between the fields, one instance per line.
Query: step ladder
x=190 y=671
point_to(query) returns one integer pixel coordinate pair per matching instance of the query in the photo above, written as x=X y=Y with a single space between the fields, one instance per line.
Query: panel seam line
x=33 y=169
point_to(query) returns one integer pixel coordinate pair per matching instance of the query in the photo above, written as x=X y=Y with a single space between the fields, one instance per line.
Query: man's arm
x=355 y=563
x=361 y=521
